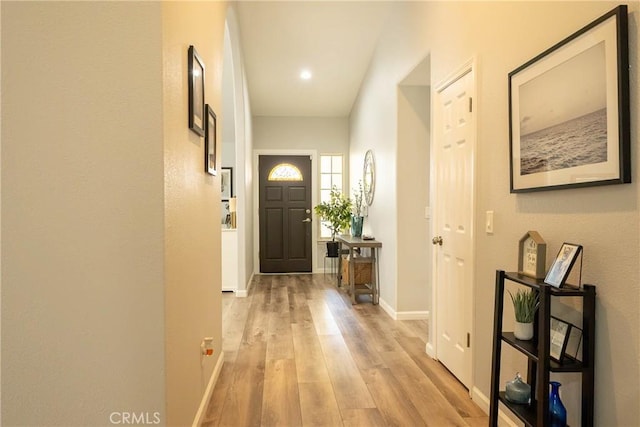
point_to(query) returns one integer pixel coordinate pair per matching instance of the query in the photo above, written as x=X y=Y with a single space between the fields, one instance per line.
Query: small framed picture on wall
x=226 y=183
x=196 y=92
x=210 y=143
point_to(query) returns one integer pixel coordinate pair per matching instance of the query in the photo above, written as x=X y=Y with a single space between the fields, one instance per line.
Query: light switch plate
x=489 y=222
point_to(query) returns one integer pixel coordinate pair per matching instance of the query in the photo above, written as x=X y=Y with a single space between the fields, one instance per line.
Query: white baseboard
x=197 y=421
x=431 y=351
x=412 y=315
x=320 y=270
x=243 y=293
x=388 y=309
x=403 y=315
x=483 y=402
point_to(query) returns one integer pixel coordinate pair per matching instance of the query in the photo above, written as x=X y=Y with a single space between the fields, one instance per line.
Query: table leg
x=375 y=296
x=339 y=278
x=352 y=275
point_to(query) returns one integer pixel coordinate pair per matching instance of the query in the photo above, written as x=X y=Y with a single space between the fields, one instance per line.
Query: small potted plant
x=525 y=304
x=337 y=212
x=357 y=219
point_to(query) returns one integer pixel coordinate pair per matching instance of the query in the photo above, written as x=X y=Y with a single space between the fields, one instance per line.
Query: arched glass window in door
x=285 y=172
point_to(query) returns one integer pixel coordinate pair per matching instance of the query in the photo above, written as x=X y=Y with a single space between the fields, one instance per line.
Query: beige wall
x=111 y=244
x=192 y=208
x=502 y=36
x=325 y=134
x=414 y=247
x=82 y=212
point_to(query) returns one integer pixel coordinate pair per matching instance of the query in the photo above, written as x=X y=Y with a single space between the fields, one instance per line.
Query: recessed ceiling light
x=305 y=74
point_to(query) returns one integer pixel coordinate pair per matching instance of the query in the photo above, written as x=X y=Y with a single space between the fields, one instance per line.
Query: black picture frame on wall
x=569 y=116
x=226 y=183
x=196 y=92
x=210 y=143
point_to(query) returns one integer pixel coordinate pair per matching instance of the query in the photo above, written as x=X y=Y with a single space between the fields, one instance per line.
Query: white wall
x=0 y=231
x=504 y=35
x=83 y=212
x=243 y=160
x=228 y=103
x=373 y=125
x=246 y=204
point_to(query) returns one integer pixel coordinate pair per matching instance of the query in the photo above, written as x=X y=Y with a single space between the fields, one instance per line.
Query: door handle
x=437 y=240
x=306 y=220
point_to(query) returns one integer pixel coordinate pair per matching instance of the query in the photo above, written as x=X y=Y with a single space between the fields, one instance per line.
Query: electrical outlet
x=206 y=346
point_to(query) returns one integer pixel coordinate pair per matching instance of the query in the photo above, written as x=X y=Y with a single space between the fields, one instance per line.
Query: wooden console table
x=354 y=244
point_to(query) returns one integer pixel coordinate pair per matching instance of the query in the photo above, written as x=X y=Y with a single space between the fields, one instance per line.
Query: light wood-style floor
x=297 y=353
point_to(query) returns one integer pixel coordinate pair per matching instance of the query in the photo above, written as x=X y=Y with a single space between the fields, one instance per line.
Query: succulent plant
x=525 y=304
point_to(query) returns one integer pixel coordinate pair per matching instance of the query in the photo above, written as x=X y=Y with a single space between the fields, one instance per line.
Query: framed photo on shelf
x=226 y=183
x=210 y=143
x=196 y=92
x=574 y=344
x=558 y=338
x=569 y=114
x=561 y=267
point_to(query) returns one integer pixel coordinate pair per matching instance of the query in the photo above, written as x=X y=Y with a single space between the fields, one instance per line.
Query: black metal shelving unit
x=540 y=365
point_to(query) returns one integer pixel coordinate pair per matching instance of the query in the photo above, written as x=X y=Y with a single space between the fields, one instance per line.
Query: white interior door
x=453 y=223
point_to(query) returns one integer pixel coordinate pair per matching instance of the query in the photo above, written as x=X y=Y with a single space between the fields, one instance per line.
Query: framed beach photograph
x=226 y=183
x=210 y=143
x=569 y=116
x=558 y=338
x=196 y=92
x=559 y=271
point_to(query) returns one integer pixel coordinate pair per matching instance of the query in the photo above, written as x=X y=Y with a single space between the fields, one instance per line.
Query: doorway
x=453 y=228
x=285 y=220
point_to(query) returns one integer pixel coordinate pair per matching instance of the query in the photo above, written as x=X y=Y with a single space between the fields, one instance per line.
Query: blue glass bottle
x=557 y=411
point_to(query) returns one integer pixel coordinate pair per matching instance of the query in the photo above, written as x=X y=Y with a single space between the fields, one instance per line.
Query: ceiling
x=334 y=40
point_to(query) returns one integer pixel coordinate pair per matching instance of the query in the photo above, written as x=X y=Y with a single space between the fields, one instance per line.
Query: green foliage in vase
x=357 y=197
x=337 y=212
x=525 y=304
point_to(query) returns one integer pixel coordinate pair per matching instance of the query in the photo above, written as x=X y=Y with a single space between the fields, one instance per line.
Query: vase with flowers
x=357 y=218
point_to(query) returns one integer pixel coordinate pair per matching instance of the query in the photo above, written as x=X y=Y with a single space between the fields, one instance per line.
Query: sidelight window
x=331 y=174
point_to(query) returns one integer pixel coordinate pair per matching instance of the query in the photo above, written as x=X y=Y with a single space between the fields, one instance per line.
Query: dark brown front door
x=285 y=214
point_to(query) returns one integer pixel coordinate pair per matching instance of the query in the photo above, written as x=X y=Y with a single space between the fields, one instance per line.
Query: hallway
x=298 y=353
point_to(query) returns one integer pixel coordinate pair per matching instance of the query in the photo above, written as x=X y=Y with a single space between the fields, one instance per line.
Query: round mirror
x=369 y=177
